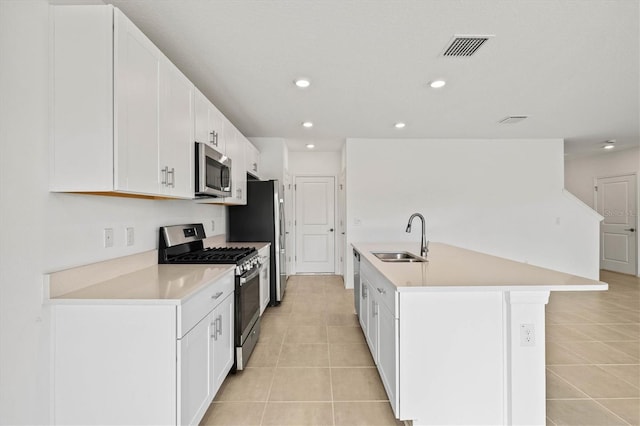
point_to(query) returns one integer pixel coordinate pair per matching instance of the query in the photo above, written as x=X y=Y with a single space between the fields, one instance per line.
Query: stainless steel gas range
x=184 y=244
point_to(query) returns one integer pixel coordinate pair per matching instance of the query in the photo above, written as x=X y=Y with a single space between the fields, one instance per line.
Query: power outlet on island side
x=527 y=335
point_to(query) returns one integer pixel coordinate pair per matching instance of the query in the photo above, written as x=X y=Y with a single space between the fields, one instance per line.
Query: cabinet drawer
x=198 y=306
x=384 y=291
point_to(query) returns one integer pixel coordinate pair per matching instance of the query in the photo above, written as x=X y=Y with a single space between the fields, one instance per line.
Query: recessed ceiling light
x=302 y=83
x=399 y=125
x=436 y=84
x=610 y=144
x=310 y=146
x=307 y=124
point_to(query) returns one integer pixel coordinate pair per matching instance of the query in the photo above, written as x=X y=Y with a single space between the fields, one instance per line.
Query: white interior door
x=616 y=201
x=315 y=227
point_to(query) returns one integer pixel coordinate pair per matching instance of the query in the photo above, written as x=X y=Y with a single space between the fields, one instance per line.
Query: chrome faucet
x=424 y=244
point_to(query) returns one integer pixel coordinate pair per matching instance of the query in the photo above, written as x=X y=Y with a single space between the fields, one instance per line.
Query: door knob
x=631 y=229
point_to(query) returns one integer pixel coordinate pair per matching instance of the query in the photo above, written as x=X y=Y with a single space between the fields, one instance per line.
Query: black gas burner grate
x=215 y=255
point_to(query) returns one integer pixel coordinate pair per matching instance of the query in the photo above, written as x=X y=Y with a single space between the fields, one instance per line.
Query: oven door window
x=218 y=176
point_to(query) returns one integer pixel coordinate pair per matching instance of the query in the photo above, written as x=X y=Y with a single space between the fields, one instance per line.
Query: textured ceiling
x=572 y=66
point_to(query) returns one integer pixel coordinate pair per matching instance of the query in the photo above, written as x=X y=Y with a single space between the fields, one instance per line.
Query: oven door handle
x=250 y=276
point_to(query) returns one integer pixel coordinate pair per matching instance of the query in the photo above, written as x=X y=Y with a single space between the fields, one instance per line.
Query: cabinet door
x=195 y=378
x=387 y=353
x=223 y=341
x=176 y=132
x=235 y=146
x=252 y=159
x=136 y=101
x=218 y=125
x=372 y=321
x=202 y=128
x=265 y=288
x=364 y=305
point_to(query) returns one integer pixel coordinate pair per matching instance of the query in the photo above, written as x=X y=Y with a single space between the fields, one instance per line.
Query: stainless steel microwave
x=213 y=172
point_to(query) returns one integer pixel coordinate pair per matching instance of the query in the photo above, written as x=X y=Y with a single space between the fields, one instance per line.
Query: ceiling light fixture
x=399 y=125
x=307 y=124
x=310 y=146
x=610 y=144
x=436 y=84
x=302 y=83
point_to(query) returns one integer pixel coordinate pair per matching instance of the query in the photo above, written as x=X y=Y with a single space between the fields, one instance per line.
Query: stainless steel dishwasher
x=356 y=280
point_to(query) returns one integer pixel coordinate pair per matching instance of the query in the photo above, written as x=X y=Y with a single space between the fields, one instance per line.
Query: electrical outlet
x=527 y=335
x=130 y=236
x=108 y=237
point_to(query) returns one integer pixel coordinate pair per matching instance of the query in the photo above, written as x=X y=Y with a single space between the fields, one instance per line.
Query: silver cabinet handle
x=172 y=182
x=219 y=322
x=214 y=336
x=165 y=175
x=255 y=167
x=214 y=137
x=381 y=290
x=218 y=294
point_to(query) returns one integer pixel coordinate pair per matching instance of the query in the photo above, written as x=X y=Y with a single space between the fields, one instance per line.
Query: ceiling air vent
x=513 y=119
x=465 y=45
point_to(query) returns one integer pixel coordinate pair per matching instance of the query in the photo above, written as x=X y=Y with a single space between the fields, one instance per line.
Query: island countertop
x=451 y=268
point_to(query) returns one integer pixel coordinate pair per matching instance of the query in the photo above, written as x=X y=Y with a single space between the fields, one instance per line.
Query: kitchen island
x=459 y=339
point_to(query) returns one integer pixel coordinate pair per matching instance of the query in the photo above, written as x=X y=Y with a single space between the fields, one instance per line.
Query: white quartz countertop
x=136 y=279
x=451 y=268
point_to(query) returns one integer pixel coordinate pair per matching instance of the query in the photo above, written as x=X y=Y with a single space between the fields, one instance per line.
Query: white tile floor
x=312 y=365
x=593 y=355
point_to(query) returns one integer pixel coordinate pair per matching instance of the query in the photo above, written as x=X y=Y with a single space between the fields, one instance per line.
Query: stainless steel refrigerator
x=262 y=220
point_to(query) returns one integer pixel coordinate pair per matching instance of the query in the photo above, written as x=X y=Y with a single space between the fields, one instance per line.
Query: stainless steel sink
x=397 y=256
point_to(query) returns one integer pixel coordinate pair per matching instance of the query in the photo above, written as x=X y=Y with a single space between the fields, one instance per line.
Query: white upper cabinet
x=176 y=133
x=209 y=125
x=236 y=143
x=122 y=112
x=252 y=160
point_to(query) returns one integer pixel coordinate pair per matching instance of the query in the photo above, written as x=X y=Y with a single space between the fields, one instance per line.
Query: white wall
x=502 y=197
x=41 y=231
x=580 y=173
x=314 y=163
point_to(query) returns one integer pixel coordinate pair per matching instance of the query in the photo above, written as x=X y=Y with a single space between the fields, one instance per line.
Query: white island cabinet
x=446 y=334
x=150 y=347
x=122 y=118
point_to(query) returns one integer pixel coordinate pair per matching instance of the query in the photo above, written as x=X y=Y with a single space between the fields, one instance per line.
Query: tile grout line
x=326 y=329
x=273 y=377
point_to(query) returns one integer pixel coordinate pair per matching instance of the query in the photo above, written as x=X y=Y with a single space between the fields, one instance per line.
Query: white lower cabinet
x=223 y=341
x=379 y=323
x=196 y=384
x=155 y=362
x=265 y=277
x=206 y=357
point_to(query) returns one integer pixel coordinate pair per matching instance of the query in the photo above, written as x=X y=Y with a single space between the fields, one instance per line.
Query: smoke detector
x=465 y=45
x=513 y=119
